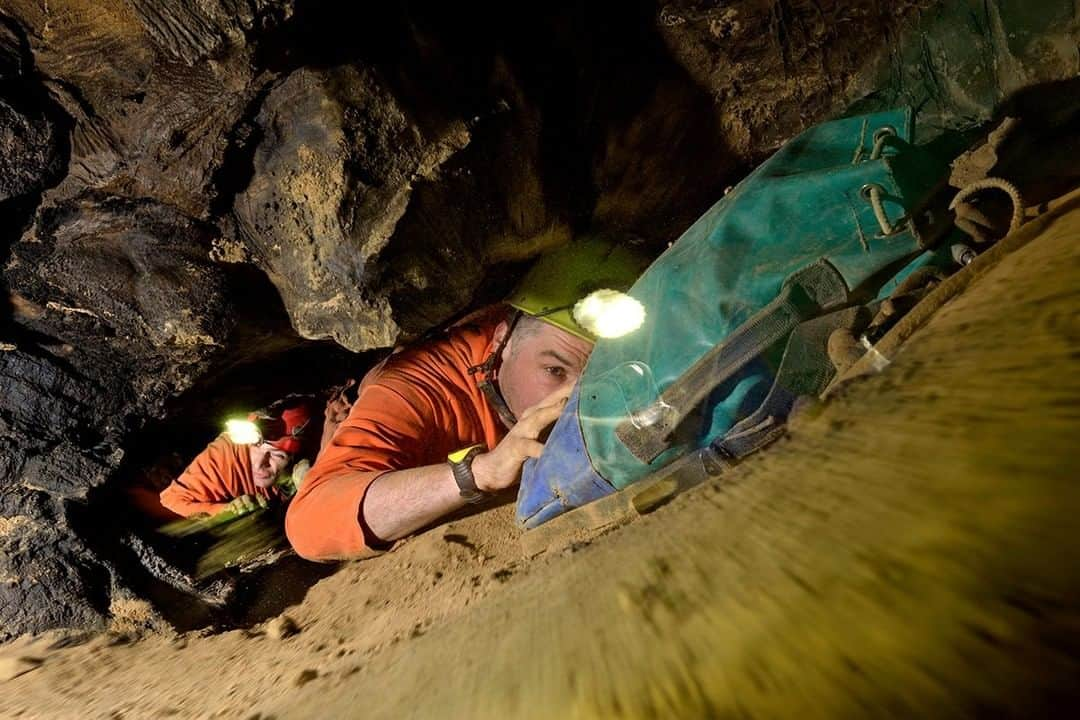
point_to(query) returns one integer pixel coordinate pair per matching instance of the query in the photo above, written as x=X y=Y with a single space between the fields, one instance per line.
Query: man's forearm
x=181 y=503
x=404 y=501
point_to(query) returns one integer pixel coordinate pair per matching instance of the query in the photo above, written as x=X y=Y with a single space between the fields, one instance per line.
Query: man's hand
x=337 y=409
x=245 y=504
x=403 y=501
x=501 y=467
x=338 y=404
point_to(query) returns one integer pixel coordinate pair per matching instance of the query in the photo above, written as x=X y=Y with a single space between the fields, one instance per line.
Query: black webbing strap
x=806 y=294
x=805 y=371
x=488 y=370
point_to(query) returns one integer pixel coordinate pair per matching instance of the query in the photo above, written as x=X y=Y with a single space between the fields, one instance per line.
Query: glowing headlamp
x=283 y=432
x=243 y=432
x=609 y=313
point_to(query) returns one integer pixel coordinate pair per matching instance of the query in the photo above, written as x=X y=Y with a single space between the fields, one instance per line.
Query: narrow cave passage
x=206 y=207
x=336 y=182
x=124 y=519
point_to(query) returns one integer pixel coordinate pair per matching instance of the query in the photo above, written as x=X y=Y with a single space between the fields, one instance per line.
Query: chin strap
x=488 y=377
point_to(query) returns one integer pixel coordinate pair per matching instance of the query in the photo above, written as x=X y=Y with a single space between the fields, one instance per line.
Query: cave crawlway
x=276 y=363
x=264 y=358
x=230 y=189
x=890 y=556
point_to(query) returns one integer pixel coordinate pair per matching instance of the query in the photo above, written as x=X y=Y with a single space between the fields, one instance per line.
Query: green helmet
x=559 y=282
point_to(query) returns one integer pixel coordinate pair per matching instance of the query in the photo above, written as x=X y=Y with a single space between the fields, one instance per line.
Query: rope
x=488 y=371
x=879 y=211
x=987 y=184
x=882 y=135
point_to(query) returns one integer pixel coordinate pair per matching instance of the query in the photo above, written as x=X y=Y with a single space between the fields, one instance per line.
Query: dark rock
x=30 y=155
x=12 y=53
x=33 y=132
x=48 y=579
x=333 y=176
x=128 y=280
x=118 y=307
x=152 y=111
x=775 y=68
x=11 y=459
x=25 y=503
x=45 y=402
x=67 y=472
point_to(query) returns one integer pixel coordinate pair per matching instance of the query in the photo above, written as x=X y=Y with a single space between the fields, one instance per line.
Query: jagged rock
x=33 y=142
x=67 y=471
x=378 y=212
x=119 y=305
x=132 y=279
x=30 y=154
x=12 y=58
x=775 y=68
x=333 y=175
x=155 y=88
x=29 y=506
x=55 y=444
x=49 y=579
x=366 y=219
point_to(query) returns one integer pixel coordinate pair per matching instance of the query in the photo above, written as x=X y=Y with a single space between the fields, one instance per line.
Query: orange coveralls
x=217 y=475
x=412 y=410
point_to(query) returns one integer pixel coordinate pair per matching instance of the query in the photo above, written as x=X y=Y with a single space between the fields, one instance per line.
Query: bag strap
x=805 y=371
x=805 y=294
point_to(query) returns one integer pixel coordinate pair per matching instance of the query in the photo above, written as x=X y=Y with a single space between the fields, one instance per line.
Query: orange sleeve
x=400 y=420
x=203 y=487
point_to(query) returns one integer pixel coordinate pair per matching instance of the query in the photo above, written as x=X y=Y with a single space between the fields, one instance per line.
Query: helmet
x=557 y=284
x=285 y=425
x=286 y=432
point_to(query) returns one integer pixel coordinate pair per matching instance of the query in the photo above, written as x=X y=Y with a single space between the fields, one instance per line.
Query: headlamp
x=609 y=313
x=283 y=432
x=243 y=432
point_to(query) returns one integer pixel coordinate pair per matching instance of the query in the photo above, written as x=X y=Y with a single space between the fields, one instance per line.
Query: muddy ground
x=910 y=550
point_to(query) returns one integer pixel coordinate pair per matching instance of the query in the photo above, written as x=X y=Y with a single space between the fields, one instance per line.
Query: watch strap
x=461 y=465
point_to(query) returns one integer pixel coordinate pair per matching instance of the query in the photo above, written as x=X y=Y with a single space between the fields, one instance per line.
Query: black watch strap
x=461 y=465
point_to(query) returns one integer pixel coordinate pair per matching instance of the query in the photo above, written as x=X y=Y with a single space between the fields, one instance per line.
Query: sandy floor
x=911 y=550
x=344 y=622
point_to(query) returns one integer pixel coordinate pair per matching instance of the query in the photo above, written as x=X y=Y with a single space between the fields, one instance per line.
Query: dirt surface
x=909 y=551
x=344 y=623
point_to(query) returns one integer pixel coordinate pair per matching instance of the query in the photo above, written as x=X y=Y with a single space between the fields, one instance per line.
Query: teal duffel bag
x=740 y=308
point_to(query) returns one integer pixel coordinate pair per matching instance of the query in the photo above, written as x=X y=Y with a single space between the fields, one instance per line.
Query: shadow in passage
x=279 y=586
x=172 y=573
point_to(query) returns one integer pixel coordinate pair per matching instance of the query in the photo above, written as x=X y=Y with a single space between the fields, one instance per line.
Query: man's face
x=539 y=359
x=267 y=462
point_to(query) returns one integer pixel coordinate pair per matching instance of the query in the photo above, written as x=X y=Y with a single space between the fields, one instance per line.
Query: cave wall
x=188 y=187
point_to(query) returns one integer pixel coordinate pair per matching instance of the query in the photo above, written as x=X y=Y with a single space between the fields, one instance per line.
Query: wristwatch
x=461 y=464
